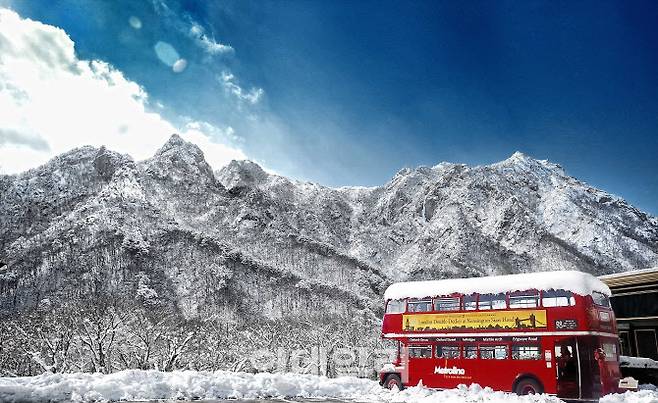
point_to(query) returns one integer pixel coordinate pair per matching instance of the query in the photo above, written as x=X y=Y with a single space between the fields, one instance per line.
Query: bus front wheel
x=528 y=386
x=393 y=381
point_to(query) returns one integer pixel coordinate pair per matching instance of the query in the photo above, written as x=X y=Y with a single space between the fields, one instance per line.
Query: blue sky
x=348 y=93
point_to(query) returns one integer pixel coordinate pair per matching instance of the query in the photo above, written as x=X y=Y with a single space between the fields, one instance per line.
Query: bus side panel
x=392 y=323
x=546 y=372
x=497 y=374
x=443 y=373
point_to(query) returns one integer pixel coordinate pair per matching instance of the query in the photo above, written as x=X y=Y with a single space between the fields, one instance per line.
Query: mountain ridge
x=448 y=220
x=166 y=246
x=535 y=173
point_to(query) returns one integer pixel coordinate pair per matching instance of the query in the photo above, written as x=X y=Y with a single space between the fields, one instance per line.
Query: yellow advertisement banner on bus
x=517 y=319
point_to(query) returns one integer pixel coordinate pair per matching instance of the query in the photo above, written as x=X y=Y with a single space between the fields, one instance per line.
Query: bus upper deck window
x=470 y=302
x=553 y=298
x=416 y=305
x=600 y=299
x=524 y=299
x=492 y=301
x=446 y=304
x=395 y=306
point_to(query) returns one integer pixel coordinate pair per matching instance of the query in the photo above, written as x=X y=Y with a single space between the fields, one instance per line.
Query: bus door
x=590 y=386
x=567 y=368
x=577 y=368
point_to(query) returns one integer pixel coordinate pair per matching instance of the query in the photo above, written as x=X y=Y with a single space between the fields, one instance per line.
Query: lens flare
x=179 y=66
x=166 y=53
x=135 y=22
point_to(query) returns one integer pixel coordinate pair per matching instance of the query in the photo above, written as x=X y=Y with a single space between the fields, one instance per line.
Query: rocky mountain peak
x=70 y=158
x=242 y=173
x=521 y=160
x=176 y=144
x=107 y=162
x=518 y=156
x=180 y=160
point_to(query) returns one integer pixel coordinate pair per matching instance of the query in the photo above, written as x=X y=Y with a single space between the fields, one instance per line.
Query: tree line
x=112 y=335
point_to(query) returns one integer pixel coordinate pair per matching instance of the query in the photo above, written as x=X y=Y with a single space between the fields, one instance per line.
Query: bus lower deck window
x=493 y=352
x=420 y=352
x=447 y=351
x=610 y=351
x=522 y=352
x=470 y=352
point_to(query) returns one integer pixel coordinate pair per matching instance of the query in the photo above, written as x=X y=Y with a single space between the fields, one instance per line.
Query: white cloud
x=195 y=31
x=228 y=82
x=51 y=101
x=211 y=46
x=11 y=136
x=192 y=29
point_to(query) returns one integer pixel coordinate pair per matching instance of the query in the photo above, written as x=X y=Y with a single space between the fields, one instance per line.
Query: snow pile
x=462 y=394
x=637 y=362
x=149 y=385
x=571 y=280
x=646 y=394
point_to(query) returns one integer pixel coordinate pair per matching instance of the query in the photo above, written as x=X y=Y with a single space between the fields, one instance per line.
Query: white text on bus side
x=449 y=371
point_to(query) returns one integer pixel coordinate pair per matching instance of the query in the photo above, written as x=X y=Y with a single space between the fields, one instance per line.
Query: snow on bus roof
x=574 y=281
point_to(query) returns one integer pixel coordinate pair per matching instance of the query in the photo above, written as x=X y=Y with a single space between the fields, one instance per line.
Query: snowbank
x=574 y=281
x=646 y=394
x=637 y=362
x=149 y=385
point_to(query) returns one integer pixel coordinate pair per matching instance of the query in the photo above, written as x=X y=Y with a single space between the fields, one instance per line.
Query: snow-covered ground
x=637 y=362
x=646 y=394
x=147 y=385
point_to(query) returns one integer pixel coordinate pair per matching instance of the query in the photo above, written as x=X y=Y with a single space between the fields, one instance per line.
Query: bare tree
x=47 y=339
x=98 y=332
x=176 y=342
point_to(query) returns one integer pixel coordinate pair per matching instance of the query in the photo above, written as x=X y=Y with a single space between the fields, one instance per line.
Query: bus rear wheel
x=528 y=386
x=393 y=381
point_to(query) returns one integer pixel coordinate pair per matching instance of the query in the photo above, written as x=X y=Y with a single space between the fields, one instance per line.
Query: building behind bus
x=635 y=303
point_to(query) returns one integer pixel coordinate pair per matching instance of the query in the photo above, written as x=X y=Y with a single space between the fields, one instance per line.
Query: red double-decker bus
x=548 y=332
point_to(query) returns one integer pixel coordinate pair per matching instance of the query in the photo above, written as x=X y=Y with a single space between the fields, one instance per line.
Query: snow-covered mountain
x=200 y=236
x=450 y=220
x=193 y=268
